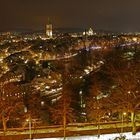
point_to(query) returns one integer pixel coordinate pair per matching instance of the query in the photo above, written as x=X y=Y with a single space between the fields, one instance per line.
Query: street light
x=30 y=127
x=29 y=121
x=123 y=114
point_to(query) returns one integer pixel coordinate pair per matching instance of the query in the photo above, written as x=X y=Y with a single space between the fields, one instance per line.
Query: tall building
x=49 y=29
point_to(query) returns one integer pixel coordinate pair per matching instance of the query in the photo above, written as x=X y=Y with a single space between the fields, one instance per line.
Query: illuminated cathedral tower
x=49 y=29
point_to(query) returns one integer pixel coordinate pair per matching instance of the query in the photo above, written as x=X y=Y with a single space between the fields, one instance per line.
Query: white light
x=26 y=61
x=49 y=77
x=129 y=92
x=87 y=71
x=135 y=39
x=42 y=103
x=25 y=110
x=124 y=113
x=47 y=87
x=27 y=120
x=53 y=81
x=80 y=92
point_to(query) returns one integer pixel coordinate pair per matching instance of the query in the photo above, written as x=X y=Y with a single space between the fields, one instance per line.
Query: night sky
x=111 y=15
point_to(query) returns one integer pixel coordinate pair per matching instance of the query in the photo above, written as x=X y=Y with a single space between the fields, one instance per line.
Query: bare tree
x=11 y=103
x=32 y=104
x=62 y=110
x=125 y=91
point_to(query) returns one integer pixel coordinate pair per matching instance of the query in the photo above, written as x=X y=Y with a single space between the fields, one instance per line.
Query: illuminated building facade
x=89 y=32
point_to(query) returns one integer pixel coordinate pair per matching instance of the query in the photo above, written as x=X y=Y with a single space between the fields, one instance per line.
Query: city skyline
x=61 y=82
x=100 y=15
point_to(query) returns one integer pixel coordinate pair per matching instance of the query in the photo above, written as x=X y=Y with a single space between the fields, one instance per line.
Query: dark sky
x=114 y=15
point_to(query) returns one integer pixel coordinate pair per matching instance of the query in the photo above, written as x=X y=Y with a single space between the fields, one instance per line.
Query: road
x=82 y=129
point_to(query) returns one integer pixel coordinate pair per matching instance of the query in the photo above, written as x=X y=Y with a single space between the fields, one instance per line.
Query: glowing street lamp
x=30 y=127
x=123 y=114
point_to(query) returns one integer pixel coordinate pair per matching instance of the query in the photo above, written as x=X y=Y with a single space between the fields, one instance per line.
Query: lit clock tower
x=49 y=29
